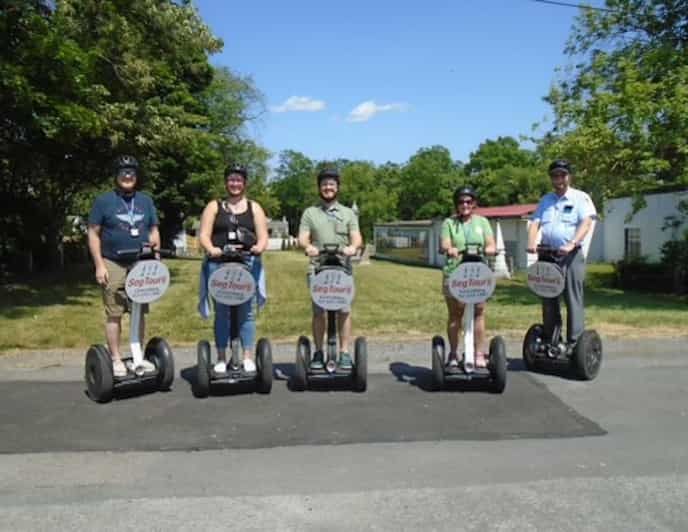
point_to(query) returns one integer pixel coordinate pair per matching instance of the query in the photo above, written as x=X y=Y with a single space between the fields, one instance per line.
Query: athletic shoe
x=249 y=365
x=220 y=367
x=148 y=366
x=453 y=361
x=317 y=360
x=345 y=360
x=119 y=369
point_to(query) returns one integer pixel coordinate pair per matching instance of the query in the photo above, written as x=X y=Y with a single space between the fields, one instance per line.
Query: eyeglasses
x=464 y=202
x=558 y=174
x=126 y=172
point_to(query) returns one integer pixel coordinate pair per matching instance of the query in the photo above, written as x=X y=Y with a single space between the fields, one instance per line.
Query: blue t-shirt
x=117 y=216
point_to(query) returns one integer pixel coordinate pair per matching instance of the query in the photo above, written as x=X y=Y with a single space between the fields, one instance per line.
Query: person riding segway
x=234 y=235
x=566 y=218
x=124 y=242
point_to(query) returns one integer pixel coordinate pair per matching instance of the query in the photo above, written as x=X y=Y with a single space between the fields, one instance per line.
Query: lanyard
x=130 y=211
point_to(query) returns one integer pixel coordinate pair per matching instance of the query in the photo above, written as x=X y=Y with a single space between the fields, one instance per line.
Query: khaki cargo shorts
x=114 y=296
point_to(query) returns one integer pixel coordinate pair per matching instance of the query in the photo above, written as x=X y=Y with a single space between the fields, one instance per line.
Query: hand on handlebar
x=348 y=251
x=255 y=250
x=312 y=251
x=567 y=248
x=453 y=253
x=214 y=252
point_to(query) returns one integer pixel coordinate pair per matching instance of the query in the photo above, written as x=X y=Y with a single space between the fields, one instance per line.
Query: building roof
x=507 y=211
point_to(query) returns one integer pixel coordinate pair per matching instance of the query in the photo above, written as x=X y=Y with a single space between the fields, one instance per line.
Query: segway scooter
x=233 y=285
x=472 y=282
x=332 y=288
x=546 y=279
x=146 y=282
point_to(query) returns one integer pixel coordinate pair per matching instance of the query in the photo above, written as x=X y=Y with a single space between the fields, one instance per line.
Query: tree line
x=84 y=80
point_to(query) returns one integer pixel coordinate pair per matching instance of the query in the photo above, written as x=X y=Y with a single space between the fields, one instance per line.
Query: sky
x=377 y=80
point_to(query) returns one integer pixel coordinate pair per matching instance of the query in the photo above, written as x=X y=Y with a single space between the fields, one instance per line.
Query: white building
x=622 y=234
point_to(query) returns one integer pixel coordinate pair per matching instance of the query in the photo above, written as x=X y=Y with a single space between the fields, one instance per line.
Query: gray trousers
x=573 y=266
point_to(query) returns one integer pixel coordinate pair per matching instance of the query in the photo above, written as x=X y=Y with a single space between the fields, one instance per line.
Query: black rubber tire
x=159 y=353
x=98 y=374
x=360 y=371
x=438 y=361
x=530 y=358
x=264 y=363
x=587 y=355
x=497 y=364
x=201 y=386
x=299 y=380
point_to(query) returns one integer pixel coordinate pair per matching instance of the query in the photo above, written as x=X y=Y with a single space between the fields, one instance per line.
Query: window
x=631 y=242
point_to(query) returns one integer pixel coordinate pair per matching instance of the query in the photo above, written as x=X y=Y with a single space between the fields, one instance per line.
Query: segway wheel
x=264 y=360
x=498 y=364
x=530 y=357
x=587 y=356
x=98 y=374
x=299 y=380
x=360 y=373
x=202 y=385
x=158 y=352
x=437 y=363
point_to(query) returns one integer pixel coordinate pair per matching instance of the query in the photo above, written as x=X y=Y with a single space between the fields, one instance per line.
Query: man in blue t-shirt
x=122 y=219
x=565 y=216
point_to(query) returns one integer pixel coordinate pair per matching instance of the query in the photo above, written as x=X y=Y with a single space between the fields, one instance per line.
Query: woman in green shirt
x=462 y=229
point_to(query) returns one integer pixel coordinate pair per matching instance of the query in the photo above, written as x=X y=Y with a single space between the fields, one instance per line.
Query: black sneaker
x=345 y=360
x=317 y=360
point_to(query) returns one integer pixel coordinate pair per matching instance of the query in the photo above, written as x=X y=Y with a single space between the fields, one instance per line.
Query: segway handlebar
x=330 y=255
x=233 y=253
x=145 y=252
x=547 y=252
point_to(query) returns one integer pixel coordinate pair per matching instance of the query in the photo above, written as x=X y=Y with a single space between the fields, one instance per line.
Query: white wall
x=649 y=220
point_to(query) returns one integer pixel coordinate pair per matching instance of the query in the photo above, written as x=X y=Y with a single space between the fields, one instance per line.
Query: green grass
x=393 y=301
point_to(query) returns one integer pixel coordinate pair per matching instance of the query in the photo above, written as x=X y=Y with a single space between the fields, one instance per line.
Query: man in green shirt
x=329 y=223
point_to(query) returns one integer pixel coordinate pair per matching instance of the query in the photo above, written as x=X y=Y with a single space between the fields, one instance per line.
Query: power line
x=580 y=6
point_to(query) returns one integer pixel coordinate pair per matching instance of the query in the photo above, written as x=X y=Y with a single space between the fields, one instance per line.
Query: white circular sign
x=546 y=279
x=147 y=281
x=231 y=285
x=472 y=282
x=332 y=289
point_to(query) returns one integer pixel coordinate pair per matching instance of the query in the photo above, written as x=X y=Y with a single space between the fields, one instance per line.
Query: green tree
x=504 y=173
x=621 y=113
x=294 y=185
x=427 y=183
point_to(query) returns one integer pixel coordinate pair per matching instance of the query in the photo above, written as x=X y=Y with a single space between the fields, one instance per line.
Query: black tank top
x=226 y=221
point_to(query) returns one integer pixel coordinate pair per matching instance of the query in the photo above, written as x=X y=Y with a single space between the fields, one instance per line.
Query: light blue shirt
x=560 y=217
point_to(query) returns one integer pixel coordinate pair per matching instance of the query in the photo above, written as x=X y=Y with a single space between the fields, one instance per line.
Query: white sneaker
x=220 y=367
x=119 y=369
x=148 y=366
x=249 y=365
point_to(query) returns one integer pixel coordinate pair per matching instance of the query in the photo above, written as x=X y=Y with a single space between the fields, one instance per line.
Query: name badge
x=134 y=232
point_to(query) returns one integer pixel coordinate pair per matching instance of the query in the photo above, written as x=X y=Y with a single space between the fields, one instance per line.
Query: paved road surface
x=550 y=454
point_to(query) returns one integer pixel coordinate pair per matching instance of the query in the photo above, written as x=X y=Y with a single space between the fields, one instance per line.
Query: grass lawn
x=393 y=301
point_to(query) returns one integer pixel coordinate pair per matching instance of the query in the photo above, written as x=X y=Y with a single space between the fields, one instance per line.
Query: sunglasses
x=126 y=172
x=464 y=202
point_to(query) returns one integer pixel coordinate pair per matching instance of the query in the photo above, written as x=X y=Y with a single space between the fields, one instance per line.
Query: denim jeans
x=246 y=319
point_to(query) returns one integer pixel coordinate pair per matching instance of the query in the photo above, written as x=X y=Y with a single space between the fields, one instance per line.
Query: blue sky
x=377 y=80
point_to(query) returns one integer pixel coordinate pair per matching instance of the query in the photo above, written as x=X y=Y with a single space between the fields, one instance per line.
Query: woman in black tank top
x=232 y=220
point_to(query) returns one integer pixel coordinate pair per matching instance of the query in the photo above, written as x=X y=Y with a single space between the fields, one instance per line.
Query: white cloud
x=368 y=109
x=299 y=103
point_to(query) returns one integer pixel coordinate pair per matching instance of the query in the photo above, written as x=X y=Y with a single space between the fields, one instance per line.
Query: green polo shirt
x=473 y=232
x=329 y=225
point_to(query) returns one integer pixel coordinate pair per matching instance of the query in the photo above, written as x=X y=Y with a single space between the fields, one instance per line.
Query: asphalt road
x=550 y=454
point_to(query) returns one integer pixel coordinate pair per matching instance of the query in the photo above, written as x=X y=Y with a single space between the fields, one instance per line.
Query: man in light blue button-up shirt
x=565 y=217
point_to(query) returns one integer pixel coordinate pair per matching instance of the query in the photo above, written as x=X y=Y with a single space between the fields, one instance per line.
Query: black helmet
x=126 y=161
x=560 y=164
x=328 y=173
x=465 y=191
x=236 y=168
